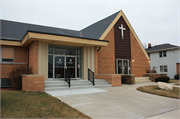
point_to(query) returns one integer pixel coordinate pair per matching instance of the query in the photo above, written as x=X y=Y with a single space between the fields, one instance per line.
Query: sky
x=154 y=21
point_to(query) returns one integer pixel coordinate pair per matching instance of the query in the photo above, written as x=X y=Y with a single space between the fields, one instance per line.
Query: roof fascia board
x=163 y=49
x=130 y=27
x=12 y=43
x=33 y=35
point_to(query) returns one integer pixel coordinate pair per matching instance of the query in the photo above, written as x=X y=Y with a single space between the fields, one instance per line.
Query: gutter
x=163 y=49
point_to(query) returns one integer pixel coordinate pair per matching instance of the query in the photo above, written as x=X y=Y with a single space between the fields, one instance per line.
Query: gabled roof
x=15 y=31
x=97 y=29
x=161 y=47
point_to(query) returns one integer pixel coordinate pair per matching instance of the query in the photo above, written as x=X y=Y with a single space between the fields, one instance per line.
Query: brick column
x=33 y=56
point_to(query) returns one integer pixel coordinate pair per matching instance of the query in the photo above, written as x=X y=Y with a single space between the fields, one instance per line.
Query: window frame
x=163 y=68
x=160 y=54
x=7 y=53
x=164 y=53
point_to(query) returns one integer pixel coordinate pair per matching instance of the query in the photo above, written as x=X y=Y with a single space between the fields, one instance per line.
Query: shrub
x=162 y=79
x=150 y=71
x=176 y=76
x=15 y=76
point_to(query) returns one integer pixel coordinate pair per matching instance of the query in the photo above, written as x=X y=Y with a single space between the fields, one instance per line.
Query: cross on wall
x=122 y=35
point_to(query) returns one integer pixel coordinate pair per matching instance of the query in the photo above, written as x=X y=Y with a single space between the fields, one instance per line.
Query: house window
x=163 y=68
x=7 y=54
x=162 y=54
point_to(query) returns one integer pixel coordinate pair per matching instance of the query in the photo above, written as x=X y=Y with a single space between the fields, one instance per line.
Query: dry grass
x=177 y=84
x=173 y=81
x=19 y=104
x=154 y=90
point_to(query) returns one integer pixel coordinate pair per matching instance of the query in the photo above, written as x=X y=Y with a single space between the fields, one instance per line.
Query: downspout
x=28 y=58
x=99 y=48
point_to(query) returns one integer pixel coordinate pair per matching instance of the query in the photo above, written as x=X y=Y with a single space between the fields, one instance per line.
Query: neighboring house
x=109 y=46
x=165 y=58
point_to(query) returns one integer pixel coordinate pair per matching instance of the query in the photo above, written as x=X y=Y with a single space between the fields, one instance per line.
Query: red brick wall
x=95 y=61
x=106 y=56
x=32 y=83
x=140 y=63
x=6 y=68
x=20 y=56
x=177 y=68
x=33 y=56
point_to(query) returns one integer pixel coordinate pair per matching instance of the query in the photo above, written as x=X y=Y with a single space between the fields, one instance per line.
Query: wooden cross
x=122 y=35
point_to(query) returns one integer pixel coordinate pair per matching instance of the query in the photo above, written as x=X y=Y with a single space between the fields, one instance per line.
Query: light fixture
x=149 y=60
x=132 y=59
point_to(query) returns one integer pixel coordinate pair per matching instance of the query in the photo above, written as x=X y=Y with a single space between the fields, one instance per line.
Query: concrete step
x=104 y=85
x=142 y=79
x=67 y=88
x=55 y=85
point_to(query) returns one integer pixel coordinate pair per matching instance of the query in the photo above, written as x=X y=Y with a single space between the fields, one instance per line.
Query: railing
x=91 y=76
x=67 y=77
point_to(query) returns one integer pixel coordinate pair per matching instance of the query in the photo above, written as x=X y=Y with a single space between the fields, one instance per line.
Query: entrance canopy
x=31 y=36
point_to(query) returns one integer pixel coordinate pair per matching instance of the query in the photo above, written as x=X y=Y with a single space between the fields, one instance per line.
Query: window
x=162 y=54
x=163 y=68
x=7 y=54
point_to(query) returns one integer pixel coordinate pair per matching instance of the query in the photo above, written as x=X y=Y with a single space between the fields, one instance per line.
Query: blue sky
x=154 y=22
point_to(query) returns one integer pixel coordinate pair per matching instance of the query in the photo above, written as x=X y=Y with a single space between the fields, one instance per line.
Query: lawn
x=177 y=84
x=19 y=104
x=173 y=81
x=154 y=90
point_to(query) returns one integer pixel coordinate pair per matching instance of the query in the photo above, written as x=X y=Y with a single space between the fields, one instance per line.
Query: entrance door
x=63 y=62
x=70 y=65
x=59 y=67
x=122 y=66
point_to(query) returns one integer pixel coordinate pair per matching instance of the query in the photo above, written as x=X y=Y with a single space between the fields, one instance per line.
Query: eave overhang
x=31 y=36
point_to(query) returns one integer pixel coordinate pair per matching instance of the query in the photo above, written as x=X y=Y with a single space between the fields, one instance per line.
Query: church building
x=109 y=46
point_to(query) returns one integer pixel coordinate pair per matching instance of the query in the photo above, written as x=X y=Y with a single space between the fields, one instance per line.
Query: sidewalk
x=124 y=102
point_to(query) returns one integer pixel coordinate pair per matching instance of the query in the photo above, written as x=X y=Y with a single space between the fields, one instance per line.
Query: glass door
x=125 y=66
x=70 y=65
x=59 y=67
x=122 y=66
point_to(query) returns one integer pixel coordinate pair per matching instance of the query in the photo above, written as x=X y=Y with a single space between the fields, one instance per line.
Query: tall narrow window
x=160 y=54
x=7 y=54
x=164 y=53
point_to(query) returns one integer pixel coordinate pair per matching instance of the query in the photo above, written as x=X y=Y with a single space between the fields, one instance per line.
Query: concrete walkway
x=124 y=102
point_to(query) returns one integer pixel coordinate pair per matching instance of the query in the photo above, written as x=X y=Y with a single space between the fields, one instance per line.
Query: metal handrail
x=91 y=76
x=67 y=77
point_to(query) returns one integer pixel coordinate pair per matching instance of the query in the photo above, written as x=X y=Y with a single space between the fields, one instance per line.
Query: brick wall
x=140 y=63
x=6 y=68
x=114 y=79
x=33 y=83
x=20 y=56
x=177 y=68
x=95 y=61
x=152 y=76
x=106 y=56
x=33 y=56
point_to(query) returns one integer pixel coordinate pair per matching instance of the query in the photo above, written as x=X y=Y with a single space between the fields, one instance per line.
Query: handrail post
x=91 y=76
